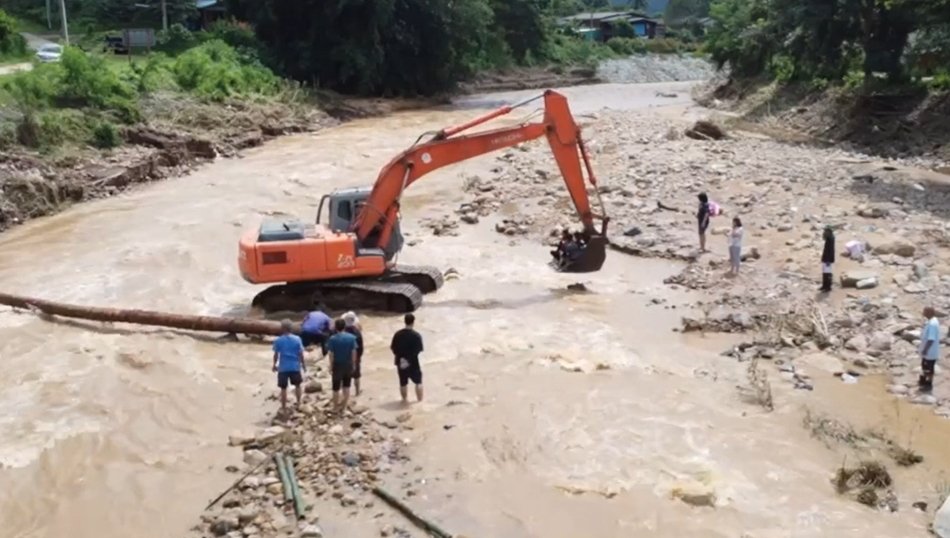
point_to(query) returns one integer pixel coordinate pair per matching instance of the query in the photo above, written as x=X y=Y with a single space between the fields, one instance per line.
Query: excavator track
x=399 y=290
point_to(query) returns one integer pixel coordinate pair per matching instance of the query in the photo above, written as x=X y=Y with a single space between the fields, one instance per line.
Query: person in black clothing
x=827 y=259
x=406 y=347
x=562 y=245
x=702 y=218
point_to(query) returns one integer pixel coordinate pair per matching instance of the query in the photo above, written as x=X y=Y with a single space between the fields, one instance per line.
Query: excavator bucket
x=589 y=259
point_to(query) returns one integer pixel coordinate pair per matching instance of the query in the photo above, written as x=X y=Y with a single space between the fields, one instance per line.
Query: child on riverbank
x=735 y=246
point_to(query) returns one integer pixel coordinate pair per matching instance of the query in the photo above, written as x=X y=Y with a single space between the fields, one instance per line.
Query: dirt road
x=549 y=414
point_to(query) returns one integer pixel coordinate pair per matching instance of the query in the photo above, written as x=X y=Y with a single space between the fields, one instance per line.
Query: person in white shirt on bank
x=929 y=349
x=735 y=246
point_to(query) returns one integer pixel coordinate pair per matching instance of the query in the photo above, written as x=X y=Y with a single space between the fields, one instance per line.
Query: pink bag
x=714 y=209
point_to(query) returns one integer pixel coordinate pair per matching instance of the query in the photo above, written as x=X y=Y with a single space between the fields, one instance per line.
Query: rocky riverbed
x=650 y=173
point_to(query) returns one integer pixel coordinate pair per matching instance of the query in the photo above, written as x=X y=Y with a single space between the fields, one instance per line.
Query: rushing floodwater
x=117 y=431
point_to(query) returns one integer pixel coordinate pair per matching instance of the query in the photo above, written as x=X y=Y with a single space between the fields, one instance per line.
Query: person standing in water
x=702 y=218
x=342 y=349
x=353 y=327
x=827 y=259
x=406 y=347
x=735 y=246
x=288 y=362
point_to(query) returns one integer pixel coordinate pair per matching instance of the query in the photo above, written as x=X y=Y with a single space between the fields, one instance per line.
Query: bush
x=176 y=39
x=571 y=50
x=12 y=44
x=215 y=71
x=783 y=69
x=238 y=35
x=105 y=135
x=627 y=46
x=664 y=45
x=940 y=81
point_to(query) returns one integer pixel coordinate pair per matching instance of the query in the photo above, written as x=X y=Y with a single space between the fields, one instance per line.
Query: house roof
x=598 y=15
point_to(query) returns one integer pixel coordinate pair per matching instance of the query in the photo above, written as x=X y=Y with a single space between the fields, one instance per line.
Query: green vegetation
x=12 y=44
x=854 y=43
x=84 y=97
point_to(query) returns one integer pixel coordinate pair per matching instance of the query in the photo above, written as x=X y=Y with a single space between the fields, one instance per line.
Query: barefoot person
x=288 y=362
x=929 y=349
x=735 y=246
x=342 y=349
x=702 y=218
x=353 y=327
x=406 y=347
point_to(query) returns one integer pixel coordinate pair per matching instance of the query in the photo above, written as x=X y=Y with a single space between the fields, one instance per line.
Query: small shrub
x=105 y=135
x=818 y=84
x=663 y=45
x=238 y=35
x=12 y=44
x=627 y=46
x=28 y=131
x=176 y=39
x=783 y=69
x=215 y=71
x=940 y=81
x=854 y=79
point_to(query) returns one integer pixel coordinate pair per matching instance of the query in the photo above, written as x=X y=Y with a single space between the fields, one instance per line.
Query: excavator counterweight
x=347 y=259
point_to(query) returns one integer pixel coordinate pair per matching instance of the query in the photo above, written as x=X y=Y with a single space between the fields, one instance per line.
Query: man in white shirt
x=929 y=349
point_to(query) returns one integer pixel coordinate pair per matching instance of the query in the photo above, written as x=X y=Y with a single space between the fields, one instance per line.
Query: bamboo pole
x=144 y=317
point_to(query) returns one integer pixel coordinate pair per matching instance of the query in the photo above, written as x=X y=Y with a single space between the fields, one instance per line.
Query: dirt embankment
x=900 y=122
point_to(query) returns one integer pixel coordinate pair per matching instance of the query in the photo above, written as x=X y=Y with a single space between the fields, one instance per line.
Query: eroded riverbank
x=548 y=414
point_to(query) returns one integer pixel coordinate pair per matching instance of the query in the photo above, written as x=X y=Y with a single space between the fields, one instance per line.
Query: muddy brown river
x=548 y=414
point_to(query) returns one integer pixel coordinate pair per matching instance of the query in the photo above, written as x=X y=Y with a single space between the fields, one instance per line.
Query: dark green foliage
x=12 y=44
x=847 y=41
x=216 y=71
x=105 y=135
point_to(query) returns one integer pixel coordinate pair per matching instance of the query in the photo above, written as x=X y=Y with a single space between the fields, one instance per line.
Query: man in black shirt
x=406 y=347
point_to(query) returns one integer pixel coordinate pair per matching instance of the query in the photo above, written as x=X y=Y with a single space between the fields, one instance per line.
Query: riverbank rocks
x=695 y=495
x=901 y=248
x=851 y=279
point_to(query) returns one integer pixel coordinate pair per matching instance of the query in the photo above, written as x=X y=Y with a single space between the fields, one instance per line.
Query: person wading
x=827 y=259
x=288 y=362
x=315 y=328
x=406 y=347
x=929 y=349
x=702 y=219
x=342 y=349
x=353 y=327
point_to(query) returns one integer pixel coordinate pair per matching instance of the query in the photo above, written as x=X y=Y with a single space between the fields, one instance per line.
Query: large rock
x=898 y=247
x=239 y=438
x=225 y=524
x=254 y=457
x=695 y=495
x=270 y=434
x=857 y=343
x=851 y=278
x=881 y=341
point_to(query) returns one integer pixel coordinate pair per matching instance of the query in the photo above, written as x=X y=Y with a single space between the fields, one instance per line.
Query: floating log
x=144 y=317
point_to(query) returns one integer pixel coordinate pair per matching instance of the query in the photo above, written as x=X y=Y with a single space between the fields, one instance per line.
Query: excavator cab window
x=344 y=211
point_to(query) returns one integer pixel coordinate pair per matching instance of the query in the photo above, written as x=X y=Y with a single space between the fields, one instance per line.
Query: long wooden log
x=144 y=317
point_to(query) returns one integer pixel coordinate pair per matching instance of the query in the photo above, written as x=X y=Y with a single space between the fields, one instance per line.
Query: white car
x=50 y=52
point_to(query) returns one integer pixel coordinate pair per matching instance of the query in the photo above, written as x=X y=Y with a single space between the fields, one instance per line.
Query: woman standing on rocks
x=735 y=246
x=827 y=259
x=702 y=216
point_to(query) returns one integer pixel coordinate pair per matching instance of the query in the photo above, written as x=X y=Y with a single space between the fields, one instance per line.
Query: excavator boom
x=346 y=262
x=375 y=222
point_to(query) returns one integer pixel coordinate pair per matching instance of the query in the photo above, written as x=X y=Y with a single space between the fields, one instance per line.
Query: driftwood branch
x=420 y=522
x=143 y=317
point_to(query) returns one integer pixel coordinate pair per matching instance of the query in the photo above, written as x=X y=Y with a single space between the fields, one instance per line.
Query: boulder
x=899 y=247
x=254 y=457
x=867 y=283
x=240 y=438
x=857 y=343
x=224 y=524
x=881 y=341
x=311 y=531
x=270 y=434
x=851 y=278
x=247 y=514
x=695 y=495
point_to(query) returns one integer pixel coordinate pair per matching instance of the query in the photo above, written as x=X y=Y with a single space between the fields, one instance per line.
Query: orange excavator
x=347 y=260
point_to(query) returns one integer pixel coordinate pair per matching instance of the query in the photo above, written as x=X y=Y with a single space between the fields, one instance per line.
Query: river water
x=548 y=414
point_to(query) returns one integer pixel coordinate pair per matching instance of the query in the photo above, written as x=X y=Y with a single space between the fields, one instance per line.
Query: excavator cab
x=344 y=205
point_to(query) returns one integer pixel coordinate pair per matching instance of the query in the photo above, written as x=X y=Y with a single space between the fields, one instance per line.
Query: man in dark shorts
x=288 y=362
x=406 y=347
x=342 y=348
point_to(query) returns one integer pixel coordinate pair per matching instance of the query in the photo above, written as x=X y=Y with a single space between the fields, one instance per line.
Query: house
x=209 y=11
x=603 y=25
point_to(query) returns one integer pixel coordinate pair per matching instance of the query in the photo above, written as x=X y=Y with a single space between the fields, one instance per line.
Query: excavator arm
x=374 y=224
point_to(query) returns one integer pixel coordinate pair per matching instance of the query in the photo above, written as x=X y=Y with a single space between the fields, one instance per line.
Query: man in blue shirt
x=288 y=362
x=343 y=356
x=315 y=328
x=929 y=349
